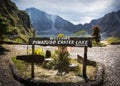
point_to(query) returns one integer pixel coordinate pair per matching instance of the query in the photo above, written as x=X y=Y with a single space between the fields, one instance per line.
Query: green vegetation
x=17 y=35
x=59 y=65
x=61 y=61
x=10 y=33
x=97 y=38
x=96 y=34
x=91 y=71
x=4 y=26
x=40 y=51
x=94 y=44
x=15 y=25
x=60 y=35
x=41 y=72
x=80 y=33
x=63 y=57
x=113 y=40
x=22 y=67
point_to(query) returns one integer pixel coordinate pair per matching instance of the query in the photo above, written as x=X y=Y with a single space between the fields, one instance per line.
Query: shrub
x=80 y=33
x=4 y=25
x=63 y=62
x=96 y=34
x=98 y=44
x=113 y=40
x=38 y=51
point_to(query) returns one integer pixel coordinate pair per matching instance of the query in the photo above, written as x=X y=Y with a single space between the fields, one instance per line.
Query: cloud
x=116 y=4
x=76 y=11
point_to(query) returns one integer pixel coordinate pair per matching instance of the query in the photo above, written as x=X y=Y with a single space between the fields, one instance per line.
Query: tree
x=60 y=35
x=63 y=58
x=81 y=33
x=96 y=34
x=61 y=48
x=4 y=25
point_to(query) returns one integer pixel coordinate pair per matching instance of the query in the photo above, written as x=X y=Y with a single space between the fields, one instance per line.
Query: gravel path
x=109 y=56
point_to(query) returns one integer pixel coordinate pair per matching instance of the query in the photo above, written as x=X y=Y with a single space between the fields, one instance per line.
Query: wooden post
x=32 y=64
x=85 y=63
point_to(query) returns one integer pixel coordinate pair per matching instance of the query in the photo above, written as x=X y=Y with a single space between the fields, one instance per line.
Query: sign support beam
x=85 y=63
x=32 y=64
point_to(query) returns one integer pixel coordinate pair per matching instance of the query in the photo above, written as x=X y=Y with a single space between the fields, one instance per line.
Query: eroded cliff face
x=110 y=24
x=19 y=21
x=48 y=24
x=45 y=23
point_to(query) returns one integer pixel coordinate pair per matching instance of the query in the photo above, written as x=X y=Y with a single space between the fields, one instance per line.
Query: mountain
x=19 y=22
x=110 y=25
x=45 y=23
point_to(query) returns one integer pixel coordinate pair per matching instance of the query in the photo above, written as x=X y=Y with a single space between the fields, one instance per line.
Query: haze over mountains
x=50 y=24
x=45 y=23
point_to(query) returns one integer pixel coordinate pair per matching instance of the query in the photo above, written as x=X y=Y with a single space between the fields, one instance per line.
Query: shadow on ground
x=3 y=50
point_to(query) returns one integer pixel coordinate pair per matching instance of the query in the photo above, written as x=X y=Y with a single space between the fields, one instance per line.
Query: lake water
x=53 y=35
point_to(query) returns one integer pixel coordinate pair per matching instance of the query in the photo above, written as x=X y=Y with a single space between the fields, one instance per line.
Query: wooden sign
x=65 y=41
x=31 y=58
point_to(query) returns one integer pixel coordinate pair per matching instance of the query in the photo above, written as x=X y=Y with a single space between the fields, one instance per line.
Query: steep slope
x=110 y=25
x=20 y=27
x=45 y=23
x=50 y=24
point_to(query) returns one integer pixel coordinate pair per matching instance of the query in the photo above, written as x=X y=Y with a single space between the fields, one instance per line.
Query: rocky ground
x=109 y=56
x=6 y=78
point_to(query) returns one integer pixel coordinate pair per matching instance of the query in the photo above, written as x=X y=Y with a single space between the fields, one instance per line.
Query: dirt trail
x=6 y=78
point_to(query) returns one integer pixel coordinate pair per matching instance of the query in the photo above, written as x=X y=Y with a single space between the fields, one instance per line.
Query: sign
x=31 y=58
x=65 y=41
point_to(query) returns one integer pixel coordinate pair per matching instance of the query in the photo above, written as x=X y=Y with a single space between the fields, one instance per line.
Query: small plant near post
x=63 y=62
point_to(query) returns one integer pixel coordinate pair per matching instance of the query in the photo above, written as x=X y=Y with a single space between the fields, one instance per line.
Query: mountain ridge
x=109 y=24
x=44 y=22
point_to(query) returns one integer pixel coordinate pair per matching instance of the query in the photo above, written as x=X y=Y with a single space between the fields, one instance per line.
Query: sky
x=75 y=11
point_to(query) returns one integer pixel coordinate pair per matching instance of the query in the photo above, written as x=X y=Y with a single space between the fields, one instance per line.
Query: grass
x=91 y=71
x=14 y=40
x=113 y=40
x=22 y=67
x=50 y=75
x=98 y=45
x=22 y=34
